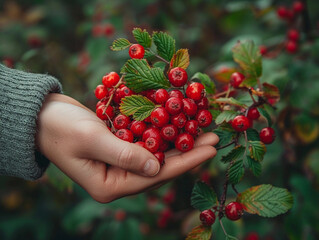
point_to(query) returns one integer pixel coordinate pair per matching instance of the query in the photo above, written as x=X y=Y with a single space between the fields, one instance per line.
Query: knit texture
x=21 y=98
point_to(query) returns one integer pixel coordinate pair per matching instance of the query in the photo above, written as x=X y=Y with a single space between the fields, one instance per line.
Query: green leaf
x=58 y=179
x=266 y=115
x=180 y=59
x=225 y=137
x=231 y=101
x=252 y=134
x=229 y=237
x=248 y=56
x=254 y=166
x=150 y=56
x=140 y=76
x=138 y=106
x=266 y=200
x=233 y=155
x=249 y=82
x=165 y=45
x=120 y=44
x=203 y=197
x=214 y=113
x=257 y=150
x=226 y=116
x=206 y=81
x=236 y=172
x=142 y=37
x=200 y=233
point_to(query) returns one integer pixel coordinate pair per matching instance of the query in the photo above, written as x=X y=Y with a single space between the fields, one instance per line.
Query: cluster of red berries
x=233 y=211
x=241 y=123
x=175 y=122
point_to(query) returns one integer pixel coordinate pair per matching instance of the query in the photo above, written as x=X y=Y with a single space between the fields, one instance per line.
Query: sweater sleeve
x=21 y=98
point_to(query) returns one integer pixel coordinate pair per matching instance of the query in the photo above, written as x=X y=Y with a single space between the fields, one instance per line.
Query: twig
x=227 y=145
x=159 y=57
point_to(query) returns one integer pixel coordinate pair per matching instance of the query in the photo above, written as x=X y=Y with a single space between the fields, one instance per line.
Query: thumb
x=128 y=156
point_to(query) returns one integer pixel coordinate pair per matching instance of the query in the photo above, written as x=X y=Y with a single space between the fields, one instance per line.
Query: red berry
x=240 y=123
x=140 y=143
x=252 y=236
x=169 y=196
x=121 y=121
x=174 y=105
x=109 y=112
x=195 y=91
x=9 y=62
x=207 y=217
x=204 y=118
x=161 y=96
x=290 y=15
x=152 y=132
x=125 y=135
x=282 y=12
x=34 y=41
x=169 y=132
x=190 y=107
x=125 y=91
x=179 y=120
x=136 y=51
x=117 y=95
x=236 y=79
x=263 y=50
x=159 y=117
x=100 y=92
x=160 y=157
x=108 y=30
x=138 y=128
x=234 y=211
x=150 y=94
x=152 y=144
x=119 y=215
x=163 y=146
x=298 y=6
x=293 y=35
x=176 y=93
x=148 y=119
x=184 y=142
x=97 y=30
x=111 y=79
x=203 y=103
x=100 y=103
x=291 y=47
x=267 y=135
x=192 y=128
x=177 y=77
x=253 y=114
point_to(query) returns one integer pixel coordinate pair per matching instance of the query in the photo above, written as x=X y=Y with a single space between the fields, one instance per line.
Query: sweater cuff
x=21 y=97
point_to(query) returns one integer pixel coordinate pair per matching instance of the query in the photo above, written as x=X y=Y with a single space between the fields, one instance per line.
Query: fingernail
x=151 y=167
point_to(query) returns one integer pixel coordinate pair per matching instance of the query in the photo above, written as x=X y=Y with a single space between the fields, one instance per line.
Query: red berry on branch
x=203 y=103
x=298 y=6
x=267 y=135
x=9 y=62
x=121 y=121
x=100 y=92
x=179 y=120
x=240 y=123
x=263 y=50
x=169 y=132
x=119 y=215
x=293 y=35
x=174 y=105
x=138 y=128
x=207 y=217
x=282 y=12
x=236 y=79
x=125 y=92
x=111 y=79
x=184 y=142
x=136 y=51
x=160 y=157
x=195 y=91
x=192 y=127
x=176 y=93
x=177 y=77
x=252 y=236
x=161 y=96
x=291 y=47
x=253 y=114
x=190 y=107
x=109 y=30
x=234 y=211
x=109 y=112
x=125 y=135
x=152 y=144
x=204 y=118
x=159 y=117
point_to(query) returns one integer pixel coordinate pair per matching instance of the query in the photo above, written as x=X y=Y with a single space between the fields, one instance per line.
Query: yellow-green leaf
x=120 y=44
x=180 y=59
x=200 y=233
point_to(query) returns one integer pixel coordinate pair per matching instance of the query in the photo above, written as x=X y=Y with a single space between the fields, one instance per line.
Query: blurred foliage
x=71 y=40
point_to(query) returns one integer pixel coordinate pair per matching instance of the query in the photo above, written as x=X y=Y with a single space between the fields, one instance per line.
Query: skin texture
x=76 y=141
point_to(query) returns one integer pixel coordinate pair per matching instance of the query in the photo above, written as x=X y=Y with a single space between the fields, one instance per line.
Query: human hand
x=80 y=144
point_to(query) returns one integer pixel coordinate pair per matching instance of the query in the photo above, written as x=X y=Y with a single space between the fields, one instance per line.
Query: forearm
x=21 y=98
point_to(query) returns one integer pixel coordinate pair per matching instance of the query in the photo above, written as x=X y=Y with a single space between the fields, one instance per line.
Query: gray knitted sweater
x=21 y=97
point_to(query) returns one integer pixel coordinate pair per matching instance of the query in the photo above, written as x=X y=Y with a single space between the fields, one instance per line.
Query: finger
x=108 y=148
x=203 y=139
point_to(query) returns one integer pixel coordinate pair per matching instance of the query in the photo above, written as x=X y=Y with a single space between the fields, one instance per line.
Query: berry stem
x=234 y=188
x=227 y=145
x=220 y=94
x=159 y=57
x=111 y=97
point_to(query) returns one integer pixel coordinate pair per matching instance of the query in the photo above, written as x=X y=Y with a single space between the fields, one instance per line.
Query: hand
x=80 y=144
